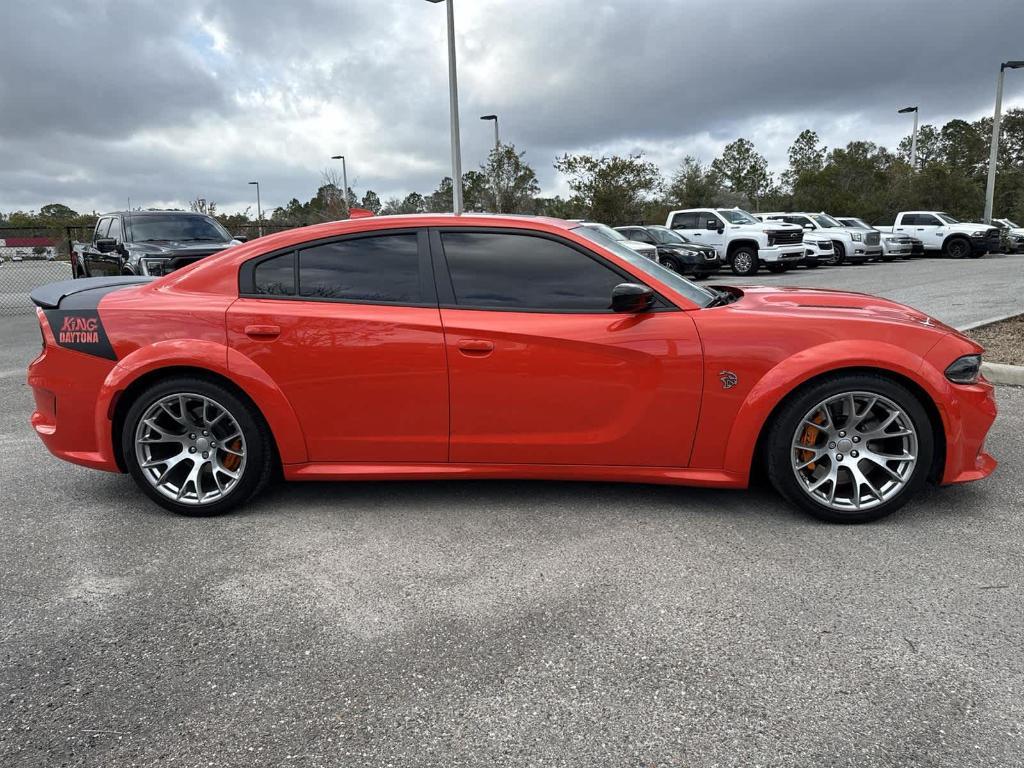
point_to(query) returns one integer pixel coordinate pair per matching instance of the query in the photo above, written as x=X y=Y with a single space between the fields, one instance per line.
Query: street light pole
x=453 y=97
x=497 y=138
x=990 y=187
x=344 y=180
x=913 y=140
x=259 y=207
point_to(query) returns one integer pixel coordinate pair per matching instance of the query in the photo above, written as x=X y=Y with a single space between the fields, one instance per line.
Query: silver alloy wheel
x=670 y=265
x=742 y=261
x=190 y=448
x=854 y=451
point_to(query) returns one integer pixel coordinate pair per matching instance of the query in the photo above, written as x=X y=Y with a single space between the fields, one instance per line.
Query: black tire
x=779 y=445
x=748 y=262
x=957 y=247
x=840 y=253
x=259 y=462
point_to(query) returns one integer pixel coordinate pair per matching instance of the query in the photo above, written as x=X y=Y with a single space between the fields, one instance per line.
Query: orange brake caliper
x=232 y=460
x=809 y=437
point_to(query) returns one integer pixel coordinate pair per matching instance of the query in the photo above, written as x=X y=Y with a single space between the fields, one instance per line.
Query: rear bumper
x=66 y=386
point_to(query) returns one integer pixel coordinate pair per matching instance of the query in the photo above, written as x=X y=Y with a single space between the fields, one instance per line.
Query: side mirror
x=808 y=226
x=632 y=297
x=106 y=244
x=241 y=238
x=713 y=224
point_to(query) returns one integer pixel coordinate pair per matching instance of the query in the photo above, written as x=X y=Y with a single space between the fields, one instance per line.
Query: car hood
x=637 y=245
x=819 y=303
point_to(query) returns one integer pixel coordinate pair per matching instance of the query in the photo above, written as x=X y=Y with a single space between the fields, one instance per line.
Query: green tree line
x=861 y=179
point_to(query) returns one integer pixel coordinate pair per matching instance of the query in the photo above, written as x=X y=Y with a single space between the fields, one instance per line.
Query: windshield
x=827 y=222
x=1011 y=224
x=607 y=231
x=947 y=219
x=736 y=216
x=694 y=293
x=175 y=227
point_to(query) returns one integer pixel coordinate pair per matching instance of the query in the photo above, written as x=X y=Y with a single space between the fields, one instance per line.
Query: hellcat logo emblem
x=729 y=379
x=79 y=330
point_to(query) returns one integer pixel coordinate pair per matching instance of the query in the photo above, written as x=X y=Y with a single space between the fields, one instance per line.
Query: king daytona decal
x=80 y=330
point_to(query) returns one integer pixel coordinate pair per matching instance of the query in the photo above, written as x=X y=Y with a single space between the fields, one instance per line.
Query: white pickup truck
x=742 y=241
x=941 y=233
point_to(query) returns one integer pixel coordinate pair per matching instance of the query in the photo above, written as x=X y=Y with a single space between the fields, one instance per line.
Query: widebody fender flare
x=830 y=358
x=217 y=359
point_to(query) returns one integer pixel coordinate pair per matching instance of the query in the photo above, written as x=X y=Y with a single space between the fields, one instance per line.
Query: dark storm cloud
x=162 y=101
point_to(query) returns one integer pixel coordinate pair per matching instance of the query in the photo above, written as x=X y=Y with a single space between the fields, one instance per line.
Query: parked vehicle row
x=941 y=233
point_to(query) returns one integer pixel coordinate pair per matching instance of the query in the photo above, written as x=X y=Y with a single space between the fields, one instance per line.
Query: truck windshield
x=148 y=227
x=736 y=216
x=947 y=219
x=825 y=221
x=694 y=293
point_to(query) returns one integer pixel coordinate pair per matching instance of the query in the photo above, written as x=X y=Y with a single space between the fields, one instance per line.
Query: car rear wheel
x=744 y=262
x=195 y=447
x=850 y=448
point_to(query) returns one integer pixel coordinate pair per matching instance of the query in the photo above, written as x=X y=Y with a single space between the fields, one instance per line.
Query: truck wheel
x=744 y=262
x=840 y=253
x=957 y=247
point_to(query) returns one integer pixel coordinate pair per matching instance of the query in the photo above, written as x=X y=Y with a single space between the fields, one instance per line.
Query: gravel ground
x=1003 y=341
x=502 y=623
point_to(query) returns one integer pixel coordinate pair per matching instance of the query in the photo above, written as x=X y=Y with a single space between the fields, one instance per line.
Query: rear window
x=383 y=268
x=275 y=276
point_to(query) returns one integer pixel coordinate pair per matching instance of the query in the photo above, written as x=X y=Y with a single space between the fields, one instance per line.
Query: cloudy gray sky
x=166 y=100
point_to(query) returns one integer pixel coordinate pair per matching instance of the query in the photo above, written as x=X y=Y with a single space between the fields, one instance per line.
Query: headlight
x=153 y=266
x=890 y=240
x=857 y=237
x=964 y=370
x=979 y=233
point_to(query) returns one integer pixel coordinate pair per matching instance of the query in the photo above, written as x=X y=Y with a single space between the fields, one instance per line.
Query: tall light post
x=453 y=97
x=990 y=188
x=259 y=207
x=344 y=180
x=913 y=140
x=497 y=138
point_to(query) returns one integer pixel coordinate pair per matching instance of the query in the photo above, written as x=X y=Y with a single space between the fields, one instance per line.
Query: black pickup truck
x=148 y=243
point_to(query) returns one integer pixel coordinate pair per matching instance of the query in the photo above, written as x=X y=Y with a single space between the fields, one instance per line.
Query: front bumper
x=787 y=254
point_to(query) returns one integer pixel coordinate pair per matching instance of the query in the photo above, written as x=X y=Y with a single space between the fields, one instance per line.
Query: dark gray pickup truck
x=148 y=243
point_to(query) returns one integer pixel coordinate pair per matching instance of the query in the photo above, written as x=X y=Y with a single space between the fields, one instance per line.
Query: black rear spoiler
x=51 y=295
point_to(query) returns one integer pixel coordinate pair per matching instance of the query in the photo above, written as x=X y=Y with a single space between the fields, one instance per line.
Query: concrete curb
x=989 y=321
x=997 y=373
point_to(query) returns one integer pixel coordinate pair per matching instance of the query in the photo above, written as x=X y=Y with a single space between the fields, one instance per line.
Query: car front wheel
x=744 y=262
x=851 y=448
x=195 y=447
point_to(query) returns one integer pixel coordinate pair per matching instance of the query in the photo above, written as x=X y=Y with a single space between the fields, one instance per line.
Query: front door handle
x=263 y=331
x=476 y=347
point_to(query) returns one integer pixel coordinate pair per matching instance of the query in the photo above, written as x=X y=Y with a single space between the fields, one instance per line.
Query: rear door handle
x=476 y=347
x=262 y=331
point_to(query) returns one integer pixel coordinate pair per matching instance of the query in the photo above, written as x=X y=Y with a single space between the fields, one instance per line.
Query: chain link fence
x=37 y=256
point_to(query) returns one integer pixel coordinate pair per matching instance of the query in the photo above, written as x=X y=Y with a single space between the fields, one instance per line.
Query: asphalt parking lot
x=509 y=623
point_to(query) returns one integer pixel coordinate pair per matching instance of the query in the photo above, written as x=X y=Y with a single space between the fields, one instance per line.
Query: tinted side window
x=275 y=276
x=506 y=271
x=115 y=229
x=384 y=268
x=101 y=229
x=909 y=219
x=925 y=220
x=686 y=221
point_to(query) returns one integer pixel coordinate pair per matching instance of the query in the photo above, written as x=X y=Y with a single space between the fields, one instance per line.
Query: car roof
x=142 y=214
